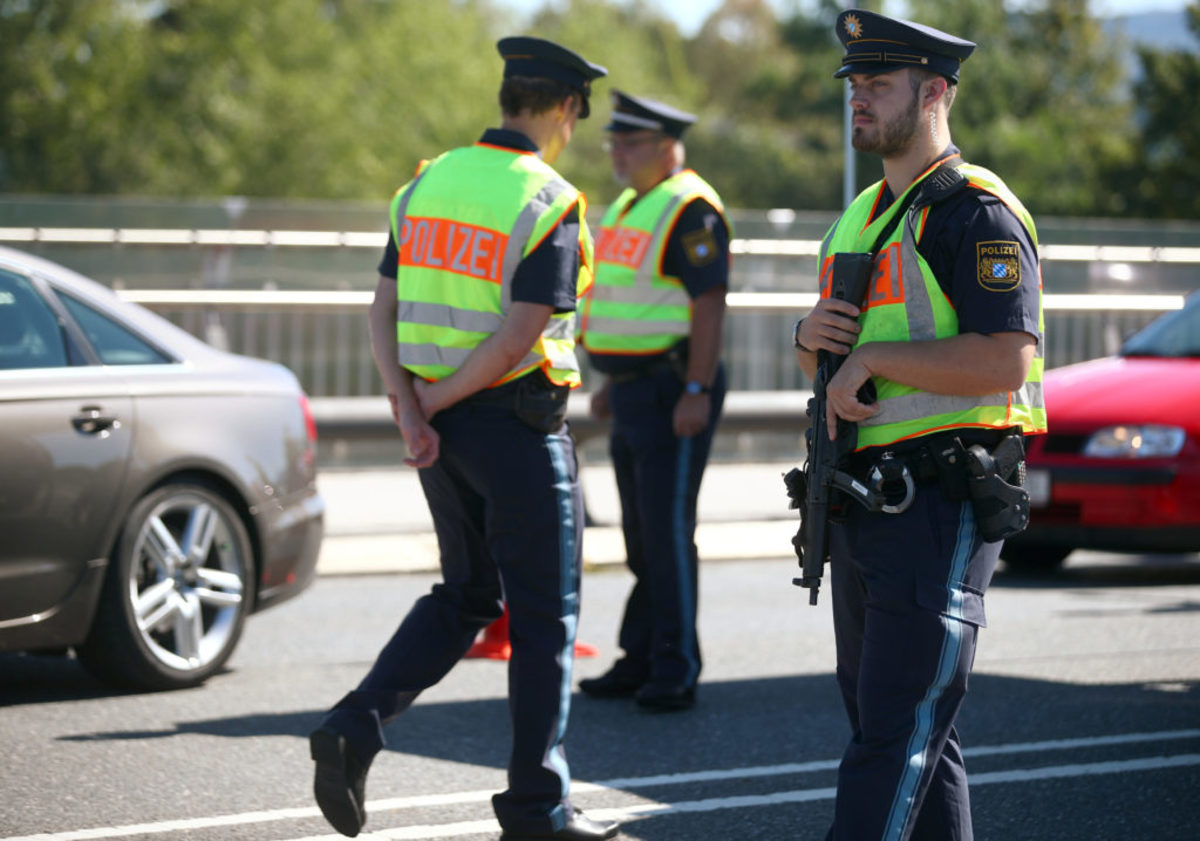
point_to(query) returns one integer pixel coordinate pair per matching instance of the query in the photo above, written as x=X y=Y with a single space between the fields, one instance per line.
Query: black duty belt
x=658 y=366
x=942 y=459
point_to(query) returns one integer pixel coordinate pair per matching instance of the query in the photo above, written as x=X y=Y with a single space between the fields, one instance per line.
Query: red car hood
x=1125 y=390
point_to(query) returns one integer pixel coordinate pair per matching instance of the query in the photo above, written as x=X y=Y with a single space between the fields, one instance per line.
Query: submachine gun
x=812 y=489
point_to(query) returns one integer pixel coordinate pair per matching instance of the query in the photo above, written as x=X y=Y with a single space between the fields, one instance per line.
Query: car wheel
x=1034 y=557
x=177 y=591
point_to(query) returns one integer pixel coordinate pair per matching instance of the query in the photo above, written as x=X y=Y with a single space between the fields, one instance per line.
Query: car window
x=30 y=335
x=114 y=344
x=1176 y=334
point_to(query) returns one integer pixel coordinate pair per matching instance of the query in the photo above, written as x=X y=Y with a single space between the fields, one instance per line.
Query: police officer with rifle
x=926 y=353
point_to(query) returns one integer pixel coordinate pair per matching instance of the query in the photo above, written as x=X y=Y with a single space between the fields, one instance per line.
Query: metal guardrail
x=377 y=240
x=320 y=333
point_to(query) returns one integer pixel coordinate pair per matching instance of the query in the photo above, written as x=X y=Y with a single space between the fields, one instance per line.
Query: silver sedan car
x=154 y=491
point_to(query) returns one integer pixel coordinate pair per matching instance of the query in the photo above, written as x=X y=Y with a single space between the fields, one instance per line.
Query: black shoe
x=611 y=684
x=666 y=697
x=579 y=828
x=339 y=783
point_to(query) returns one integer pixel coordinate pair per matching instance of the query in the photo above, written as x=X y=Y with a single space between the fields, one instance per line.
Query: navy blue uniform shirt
x=548 y=275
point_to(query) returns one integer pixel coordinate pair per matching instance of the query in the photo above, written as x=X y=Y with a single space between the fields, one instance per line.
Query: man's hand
x=841 y=393
x=601 y=403
x=832 y=325
x=691 y=414
x=420 y=438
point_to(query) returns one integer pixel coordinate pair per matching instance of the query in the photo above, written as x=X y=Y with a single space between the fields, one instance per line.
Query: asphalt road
x=1082 y=722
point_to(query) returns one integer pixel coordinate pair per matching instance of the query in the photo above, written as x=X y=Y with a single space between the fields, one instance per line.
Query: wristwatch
x=695 y=387
x=796 y=337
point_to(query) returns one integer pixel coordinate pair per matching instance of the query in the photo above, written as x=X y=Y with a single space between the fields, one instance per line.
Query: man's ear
x=935 y=89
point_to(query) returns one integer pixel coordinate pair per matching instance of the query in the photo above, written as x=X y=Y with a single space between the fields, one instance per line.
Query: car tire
x=176 y=594
x=1034 y=557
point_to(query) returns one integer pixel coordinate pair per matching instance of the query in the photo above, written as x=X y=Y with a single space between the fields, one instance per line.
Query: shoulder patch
x=998 y=265
x=700 y=246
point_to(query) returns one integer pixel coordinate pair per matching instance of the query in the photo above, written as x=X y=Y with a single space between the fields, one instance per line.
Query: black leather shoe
x=611 y=684
x=666 y=697
x=340 y=781
x=579 y=828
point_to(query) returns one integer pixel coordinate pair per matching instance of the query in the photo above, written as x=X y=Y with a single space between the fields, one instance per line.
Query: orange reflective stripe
x=431 y=243
x=623 y=246
x=887 y=286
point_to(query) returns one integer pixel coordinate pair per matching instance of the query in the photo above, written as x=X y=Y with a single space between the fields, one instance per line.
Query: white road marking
x=634 y=811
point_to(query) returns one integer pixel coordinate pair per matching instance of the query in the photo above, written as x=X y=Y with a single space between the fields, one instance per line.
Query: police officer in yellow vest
x=472 y=329
x=950 y=339
x=652 y=326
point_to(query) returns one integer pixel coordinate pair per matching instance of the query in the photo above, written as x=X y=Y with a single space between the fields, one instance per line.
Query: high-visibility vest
x=462 y=226
x=905 y=303
x=633 y=308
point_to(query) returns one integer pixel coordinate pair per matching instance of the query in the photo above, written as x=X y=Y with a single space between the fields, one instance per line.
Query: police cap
x=542 y=59
x=633 y=113
x=878 y=44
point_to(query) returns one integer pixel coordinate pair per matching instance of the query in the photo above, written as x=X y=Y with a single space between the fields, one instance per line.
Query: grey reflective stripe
x=429 y=354
x=918 y=308
x=560 y=328
x=402 y=208
x=629 y=327
x=1030 y=394
x=440 y=315
x=654 y=296
x=923 y=404
x=454 y=357
x=522 y=230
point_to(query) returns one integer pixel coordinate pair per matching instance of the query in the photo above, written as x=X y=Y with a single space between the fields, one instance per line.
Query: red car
x=1120 y=467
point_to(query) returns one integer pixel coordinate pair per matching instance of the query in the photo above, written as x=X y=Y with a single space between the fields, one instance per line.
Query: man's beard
x=890 y=140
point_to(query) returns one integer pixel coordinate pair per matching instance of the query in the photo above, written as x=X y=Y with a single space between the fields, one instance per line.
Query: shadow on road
x=1093 y=569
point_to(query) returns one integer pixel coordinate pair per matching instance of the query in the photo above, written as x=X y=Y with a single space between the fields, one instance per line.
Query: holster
x=995 y=486
x=541 y=404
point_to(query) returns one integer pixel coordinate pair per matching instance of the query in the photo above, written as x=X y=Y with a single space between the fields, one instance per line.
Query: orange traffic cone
x=493 y=643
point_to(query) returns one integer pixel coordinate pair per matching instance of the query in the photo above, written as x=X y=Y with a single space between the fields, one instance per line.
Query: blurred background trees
x=341 y=98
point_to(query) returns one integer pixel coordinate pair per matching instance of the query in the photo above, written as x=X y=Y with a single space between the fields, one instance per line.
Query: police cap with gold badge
x=634 y=113
x=538 y=58
x=878 y=44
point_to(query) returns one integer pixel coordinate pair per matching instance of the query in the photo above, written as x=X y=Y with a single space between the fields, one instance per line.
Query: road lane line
x=714 y=775
x=1024 y=775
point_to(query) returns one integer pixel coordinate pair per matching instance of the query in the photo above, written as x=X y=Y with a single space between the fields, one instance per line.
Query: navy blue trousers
x=658 y=477
x=508 y=512
x=907 y=605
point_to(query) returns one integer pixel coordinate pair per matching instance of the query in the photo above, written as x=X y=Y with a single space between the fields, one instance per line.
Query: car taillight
x=310 y=423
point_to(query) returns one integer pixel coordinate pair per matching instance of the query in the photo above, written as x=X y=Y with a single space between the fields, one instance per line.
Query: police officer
x=472 y=330
x=950 y=339
x=652 y=325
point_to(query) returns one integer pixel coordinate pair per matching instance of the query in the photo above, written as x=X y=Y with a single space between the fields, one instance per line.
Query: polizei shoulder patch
x=700 y=246
x=998 y=265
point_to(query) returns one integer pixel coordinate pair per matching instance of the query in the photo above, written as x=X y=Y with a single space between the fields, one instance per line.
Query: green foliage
x=342 y=98
x=1040 y=101
x=1166 y=180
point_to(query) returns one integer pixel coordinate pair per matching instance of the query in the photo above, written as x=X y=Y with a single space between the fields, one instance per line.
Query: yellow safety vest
x=906 y=303
x=633 y=308
x=461 y=227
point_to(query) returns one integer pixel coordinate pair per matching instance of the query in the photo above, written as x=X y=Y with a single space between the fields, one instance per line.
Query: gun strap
x=936 y=187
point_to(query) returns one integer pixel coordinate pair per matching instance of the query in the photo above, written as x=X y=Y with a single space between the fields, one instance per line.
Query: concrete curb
x=377 y=554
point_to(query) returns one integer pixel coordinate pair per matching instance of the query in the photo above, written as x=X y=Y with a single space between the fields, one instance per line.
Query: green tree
x=1042 y=101
x=214 y=97
x=1165 y=182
